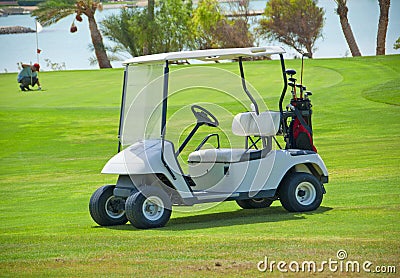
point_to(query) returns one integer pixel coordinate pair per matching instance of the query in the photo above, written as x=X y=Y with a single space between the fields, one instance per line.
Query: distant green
x=54 y=144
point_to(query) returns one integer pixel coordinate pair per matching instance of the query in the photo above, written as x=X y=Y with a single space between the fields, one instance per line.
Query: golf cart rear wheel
x=105 y=208
x=300 y=192
x=149 y=208
x=254 y=203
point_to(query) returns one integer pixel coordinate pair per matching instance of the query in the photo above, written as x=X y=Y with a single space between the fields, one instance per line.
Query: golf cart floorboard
x=224 y=196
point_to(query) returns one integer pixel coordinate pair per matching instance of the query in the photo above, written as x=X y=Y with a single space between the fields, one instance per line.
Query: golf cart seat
x=244 y=124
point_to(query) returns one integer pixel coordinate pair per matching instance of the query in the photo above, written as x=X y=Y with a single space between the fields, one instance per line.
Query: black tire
x=105 y=209
x=149 y=208
x=254 y=203
x=300 y=192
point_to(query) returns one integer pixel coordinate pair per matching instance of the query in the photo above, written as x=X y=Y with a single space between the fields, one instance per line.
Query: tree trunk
x=150 y=19
x=342 y=11
x=309 y=51
x=150 y=9
x=98 y=45
x=382 y=26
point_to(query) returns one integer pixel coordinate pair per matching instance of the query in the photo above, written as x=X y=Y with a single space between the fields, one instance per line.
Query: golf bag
x=300 y=128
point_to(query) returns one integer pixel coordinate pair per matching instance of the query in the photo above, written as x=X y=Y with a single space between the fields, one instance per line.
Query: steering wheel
x=204 y=116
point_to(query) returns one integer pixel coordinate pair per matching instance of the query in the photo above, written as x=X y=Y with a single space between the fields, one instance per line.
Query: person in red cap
x=28 y=76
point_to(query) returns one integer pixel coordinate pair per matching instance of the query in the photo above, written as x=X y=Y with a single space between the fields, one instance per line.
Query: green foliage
x=234 y=33
x=51 y=11
x=206 y=18
x=173 y=25
x=296 y=23
x=397 y=44
x=138 y=33
x=213 y=30
x=125 y=29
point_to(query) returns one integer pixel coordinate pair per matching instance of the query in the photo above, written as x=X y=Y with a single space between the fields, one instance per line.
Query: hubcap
x=305 y=193
x=153 y=208
x=114 y=207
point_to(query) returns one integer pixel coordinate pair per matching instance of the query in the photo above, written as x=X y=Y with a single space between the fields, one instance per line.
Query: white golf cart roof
x=207 y=55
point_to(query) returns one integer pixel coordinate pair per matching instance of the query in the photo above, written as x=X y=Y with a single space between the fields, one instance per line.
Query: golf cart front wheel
x=300 y=192
x=254 y=203
x=105 y=208
x=149 y=208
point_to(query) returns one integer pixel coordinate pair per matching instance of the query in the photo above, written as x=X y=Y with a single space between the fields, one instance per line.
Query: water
x=61 y=46
x=56 y=42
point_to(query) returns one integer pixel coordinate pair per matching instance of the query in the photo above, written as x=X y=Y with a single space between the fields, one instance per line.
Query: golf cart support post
x=150 y=177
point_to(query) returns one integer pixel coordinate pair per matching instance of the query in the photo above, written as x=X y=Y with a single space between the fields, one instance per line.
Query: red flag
x=38 y=51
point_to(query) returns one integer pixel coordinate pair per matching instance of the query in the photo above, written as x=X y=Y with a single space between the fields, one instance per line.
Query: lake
x=60 y=46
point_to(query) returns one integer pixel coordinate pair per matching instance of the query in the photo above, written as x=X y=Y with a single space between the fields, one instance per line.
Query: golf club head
x=290 y=72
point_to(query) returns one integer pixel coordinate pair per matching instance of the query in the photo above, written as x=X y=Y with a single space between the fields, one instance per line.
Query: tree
x=296 y=23
x=234 y=32
x=173 y=21
x=164 y=27
x=342 y=11
x=124 y=30
x=382 y=26
x=206 y=18
x=397 y=44
x=214 y=30
x=51 y=11
x=149 y=27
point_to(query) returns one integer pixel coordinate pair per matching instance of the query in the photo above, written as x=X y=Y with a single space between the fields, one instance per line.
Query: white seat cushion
x=218 y=155
x=251 y=124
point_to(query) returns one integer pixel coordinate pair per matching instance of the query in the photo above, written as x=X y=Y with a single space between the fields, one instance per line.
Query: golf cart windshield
x=150 y=80
x=143 y=92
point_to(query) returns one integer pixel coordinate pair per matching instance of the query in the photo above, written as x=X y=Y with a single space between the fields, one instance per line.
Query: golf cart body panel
x=253 y=175
x=143 y=158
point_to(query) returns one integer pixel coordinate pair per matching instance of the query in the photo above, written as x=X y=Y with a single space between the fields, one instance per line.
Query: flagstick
x=30 y=74
x=37 y=42
x=37 y=50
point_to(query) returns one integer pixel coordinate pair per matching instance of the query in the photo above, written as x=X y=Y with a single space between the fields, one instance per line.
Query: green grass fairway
x=54 y=144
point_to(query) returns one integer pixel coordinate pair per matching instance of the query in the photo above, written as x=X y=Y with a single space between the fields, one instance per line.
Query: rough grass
x=54 y=144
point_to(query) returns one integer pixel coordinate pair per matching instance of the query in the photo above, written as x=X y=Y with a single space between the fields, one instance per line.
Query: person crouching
x=29 y=76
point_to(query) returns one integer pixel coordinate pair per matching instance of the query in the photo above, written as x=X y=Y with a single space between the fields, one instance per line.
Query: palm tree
x=382 y=26
x=51 y=11
x=342 y=11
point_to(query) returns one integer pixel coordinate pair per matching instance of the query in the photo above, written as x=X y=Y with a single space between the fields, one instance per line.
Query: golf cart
x=149 y=162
